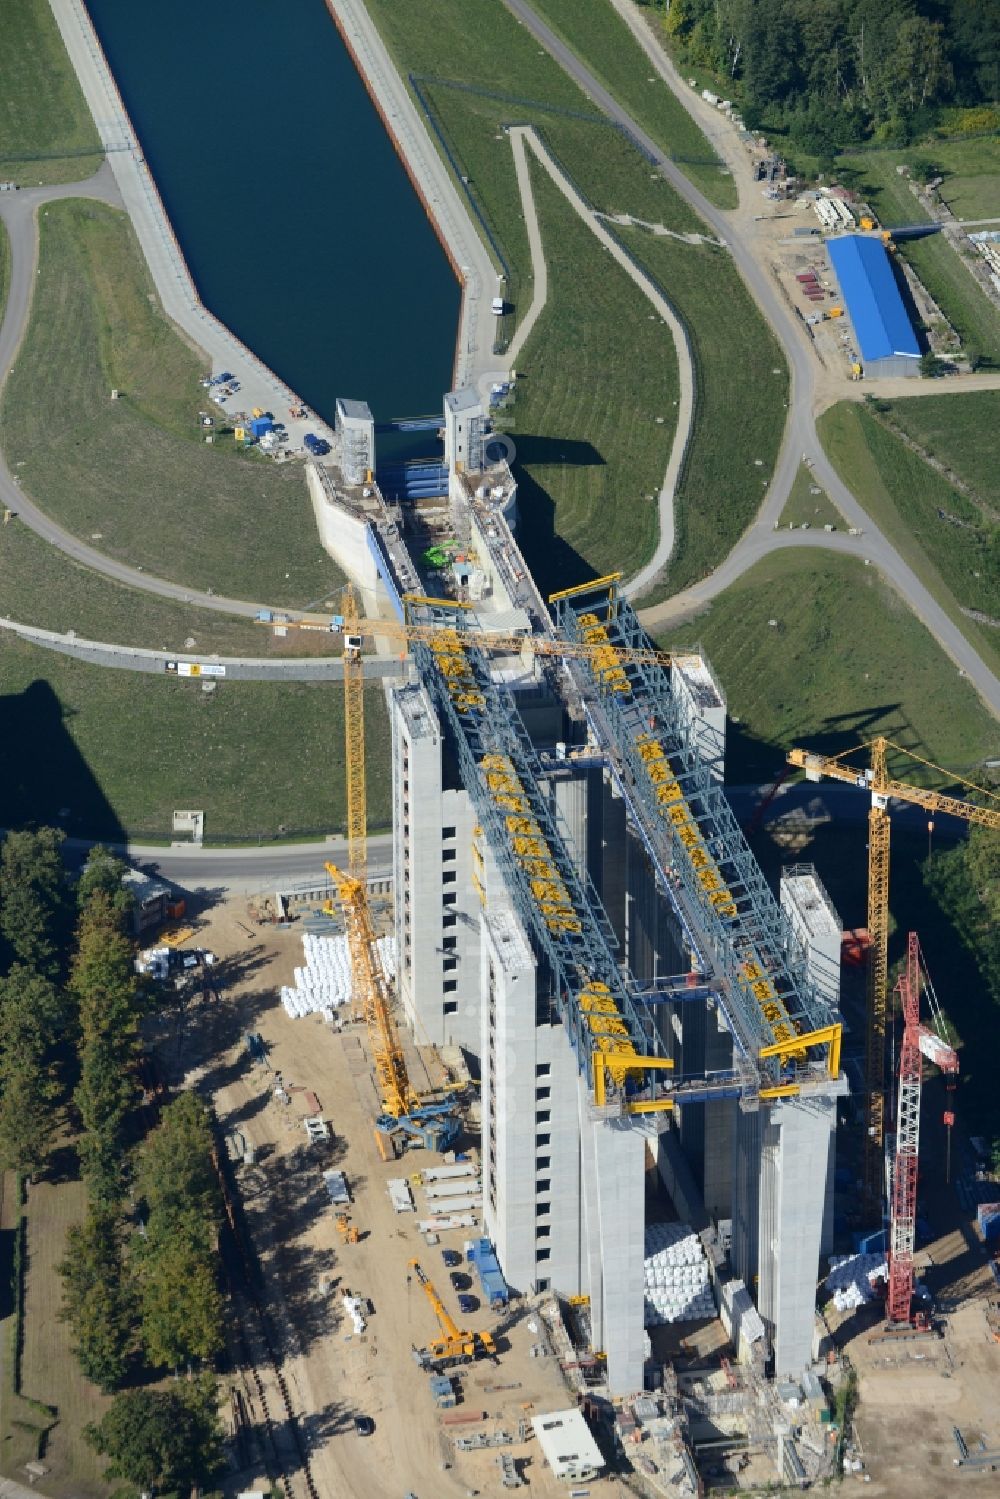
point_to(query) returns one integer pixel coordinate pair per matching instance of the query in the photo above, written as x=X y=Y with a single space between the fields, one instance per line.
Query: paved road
x=266 y=866
x=800 y=439
x=237 y=668
x=522 y=136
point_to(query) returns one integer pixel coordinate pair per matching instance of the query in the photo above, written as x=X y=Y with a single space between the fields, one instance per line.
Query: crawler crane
x=455 y=1347
x=883 y=788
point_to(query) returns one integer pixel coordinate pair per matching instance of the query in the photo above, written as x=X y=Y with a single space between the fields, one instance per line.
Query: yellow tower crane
x=433 y=1123
x=883 y=788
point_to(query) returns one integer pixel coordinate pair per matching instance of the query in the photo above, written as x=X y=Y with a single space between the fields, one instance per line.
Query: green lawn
x=974 y=317
x=598 y=372
x=942 y=535
x=39 y=585
x=98 y=751
x=603 y=41
x=961 y=432
x=740 y=368
x=49 y=1371
x=846 y=660
x=134 y=476
x=806 y=508
x=46 y=132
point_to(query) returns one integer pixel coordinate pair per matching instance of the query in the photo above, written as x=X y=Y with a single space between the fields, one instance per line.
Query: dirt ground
x=331 y=1374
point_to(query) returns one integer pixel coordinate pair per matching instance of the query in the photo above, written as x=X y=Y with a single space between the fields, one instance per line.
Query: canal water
x=294 y=213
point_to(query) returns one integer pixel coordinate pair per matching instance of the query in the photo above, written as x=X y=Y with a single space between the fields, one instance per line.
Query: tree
x=161 y=1439
x=98 y=1302
x=180 y=1302
x=181 y=1307
x=33 y=898
x=30 y=1008
x=103 y=871
x=105 y=986
x=928 y=364
x=175 y=1174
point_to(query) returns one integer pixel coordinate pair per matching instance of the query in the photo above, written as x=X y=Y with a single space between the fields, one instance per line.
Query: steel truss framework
x=745 y=945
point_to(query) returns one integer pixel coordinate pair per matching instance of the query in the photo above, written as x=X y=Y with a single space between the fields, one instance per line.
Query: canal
x=294 y=213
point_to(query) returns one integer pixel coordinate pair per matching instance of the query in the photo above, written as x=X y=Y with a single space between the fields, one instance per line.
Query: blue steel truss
x=576 y=959
x=754 y=930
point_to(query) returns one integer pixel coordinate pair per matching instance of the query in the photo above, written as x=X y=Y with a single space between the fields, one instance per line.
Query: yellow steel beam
x=827 y=1035
x=786 y=1090
x=569 y=593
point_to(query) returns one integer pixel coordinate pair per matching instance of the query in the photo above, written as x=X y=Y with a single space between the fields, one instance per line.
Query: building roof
x=358 y=409
x=566 y=1441
x=466 y=399
x=869 y=287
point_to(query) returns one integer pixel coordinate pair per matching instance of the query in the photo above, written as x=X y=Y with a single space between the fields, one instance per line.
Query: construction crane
x=918 y=1042
x=434 y=1125
x=456 y=1346
x=884 y=788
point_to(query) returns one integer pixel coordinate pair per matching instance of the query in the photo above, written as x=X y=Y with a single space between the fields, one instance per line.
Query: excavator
x=455 y=1347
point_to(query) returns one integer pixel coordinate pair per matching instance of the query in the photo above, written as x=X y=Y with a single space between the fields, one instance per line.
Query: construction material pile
x=852 y=1278
x=324 y=984
x=676 y=1276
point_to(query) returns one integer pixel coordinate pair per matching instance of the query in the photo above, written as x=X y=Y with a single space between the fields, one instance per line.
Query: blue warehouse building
x=886 y=338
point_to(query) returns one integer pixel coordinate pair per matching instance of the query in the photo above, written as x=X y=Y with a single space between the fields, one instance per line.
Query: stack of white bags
x=851 y=1277
x=676 y=1275
x=324 y=983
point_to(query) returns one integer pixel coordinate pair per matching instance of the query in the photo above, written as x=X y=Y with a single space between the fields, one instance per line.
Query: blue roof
x=866 y=278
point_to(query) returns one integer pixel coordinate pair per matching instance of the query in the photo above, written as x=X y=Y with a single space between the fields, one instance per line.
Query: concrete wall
x=343 y=536
x=436 y=903
x=531 y=1148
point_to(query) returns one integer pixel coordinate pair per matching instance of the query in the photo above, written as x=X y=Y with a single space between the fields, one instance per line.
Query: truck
x=496 y=1291
x=337 y=1188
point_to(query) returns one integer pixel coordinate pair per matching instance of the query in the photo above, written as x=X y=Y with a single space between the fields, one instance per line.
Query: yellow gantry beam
x=827 y=1035
x=572 y=593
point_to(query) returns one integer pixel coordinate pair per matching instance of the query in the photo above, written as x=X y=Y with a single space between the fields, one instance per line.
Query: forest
x=834 y=73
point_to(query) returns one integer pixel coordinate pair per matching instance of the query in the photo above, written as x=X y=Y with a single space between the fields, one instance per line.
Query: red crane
x=918 y=1042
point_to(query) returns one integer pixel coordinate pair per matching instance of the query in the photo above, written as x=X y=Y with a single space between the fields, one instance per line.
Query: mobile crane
x=883 y=788
x=456 y=1346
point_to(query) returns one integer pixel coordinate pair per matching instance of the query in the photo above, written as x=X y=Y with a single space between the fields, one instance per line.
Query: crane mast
x=882 y=788
x=918 y=1041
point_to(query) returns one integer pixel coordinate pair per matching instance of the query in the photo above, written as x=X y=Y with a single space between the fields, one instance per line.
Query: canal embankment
x=224 y=352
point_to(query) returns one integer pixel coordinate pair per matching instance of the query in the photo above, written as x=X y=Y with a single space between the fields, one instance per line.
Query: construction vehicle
x=918 y=1042
x=456 y=1346
x=883 y=788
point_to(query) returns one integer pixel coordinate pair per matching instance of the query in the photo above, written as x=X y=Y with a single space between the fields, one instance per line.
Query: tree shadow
x=44 y=779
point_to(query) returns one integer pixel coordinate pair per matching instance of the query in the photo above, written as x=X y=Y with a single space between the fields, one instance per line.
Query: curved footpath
x=801 y=440
x=522 y=135
x=18 y=212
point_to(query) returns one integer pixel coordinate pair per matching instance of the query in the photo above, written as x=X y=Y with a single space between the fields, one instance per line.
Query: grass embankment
x=597 y=413
x=960 y=432
x=616 y=179
x=974 y=317
x=599 y=36
x=741 y=383
x=39 y=585
x=806 y=508
x=46 y=132
x=134 y=476
x=943 y=535
x=846 y=660
x=121 y=750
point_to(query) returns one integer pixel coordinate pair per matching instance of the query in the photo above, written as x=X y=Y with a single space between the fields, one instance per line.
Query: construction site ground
x=329 y=1374
x=913 y=1395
